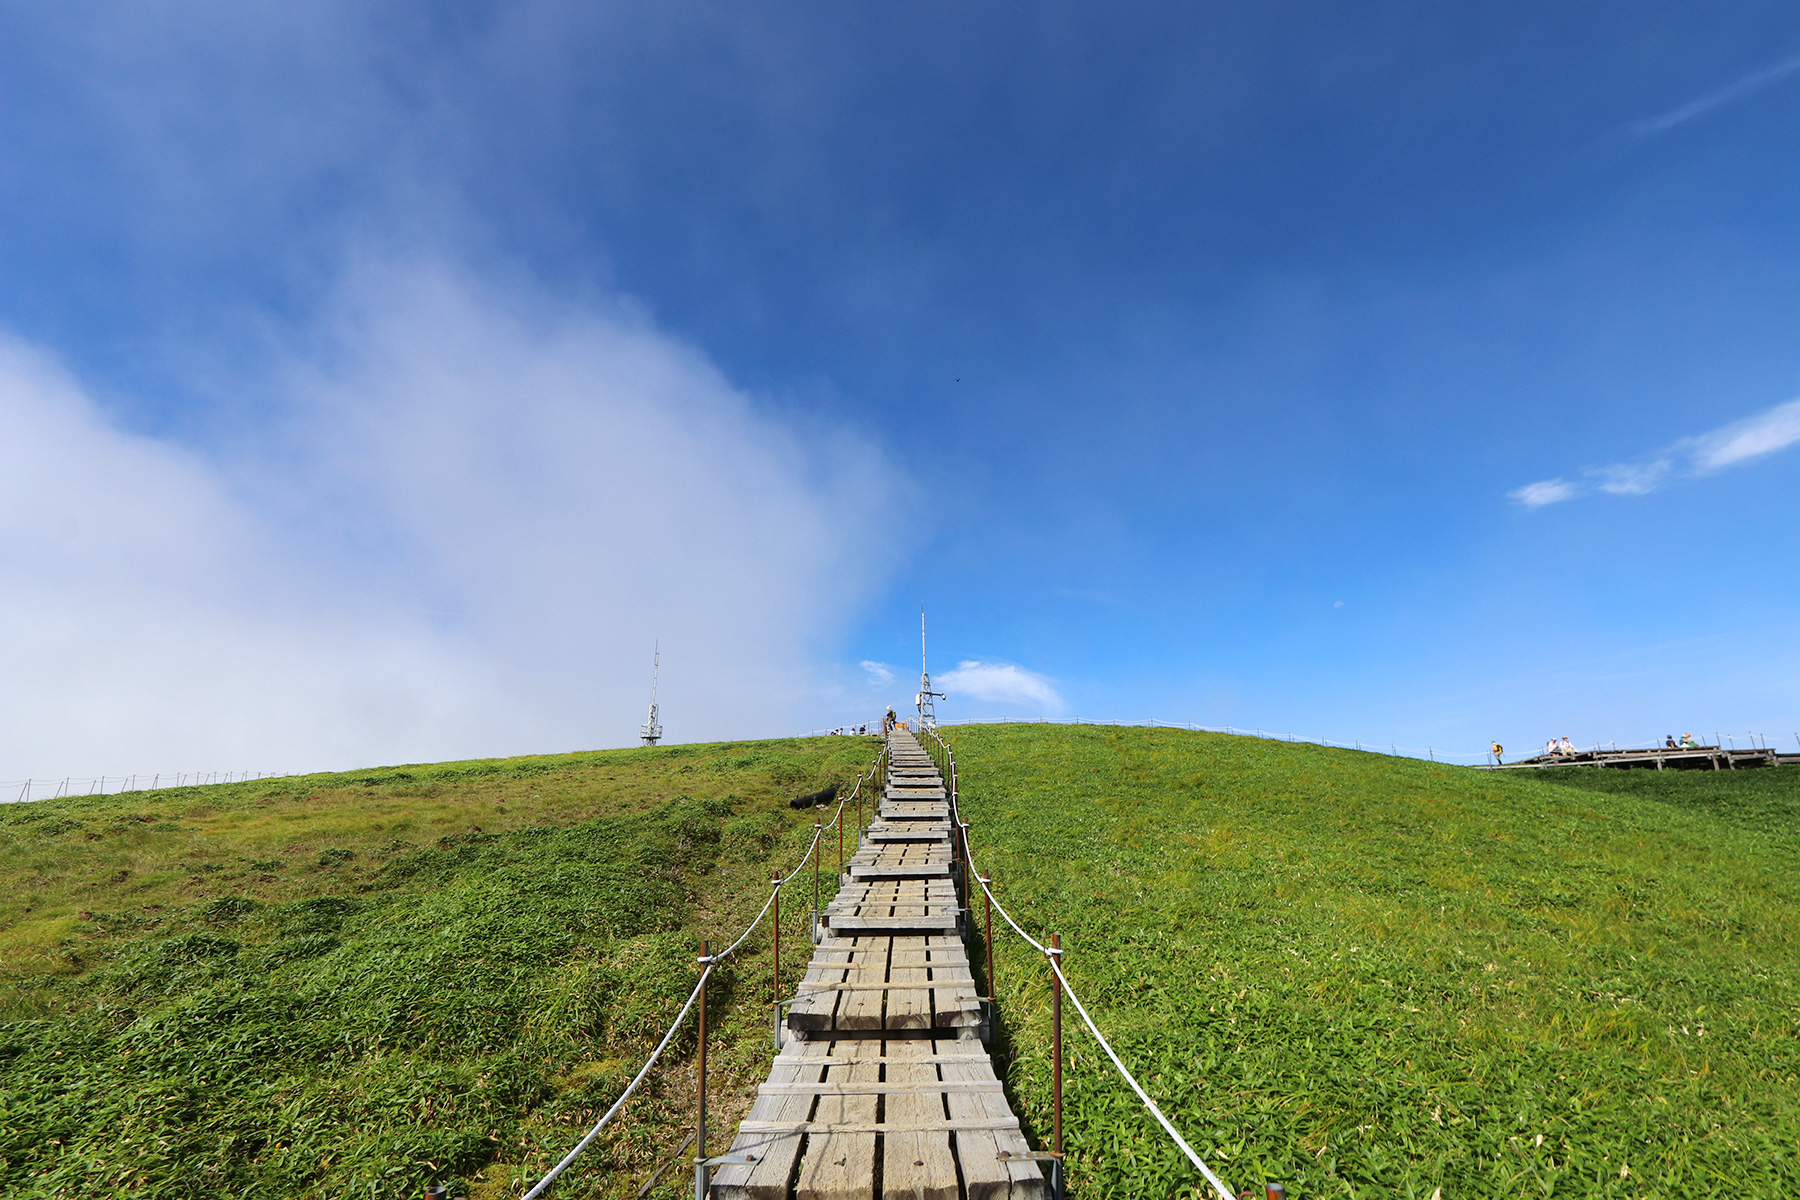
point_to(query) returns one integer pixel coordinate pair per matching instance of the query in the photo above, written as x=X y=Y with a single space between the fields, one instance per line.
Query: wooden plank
x=861 y=1008
x=767 y=1178
x=840 y=1150
x=952 y=1125
x=909 y=1008
x=888 y=1088
x=956 y=1005
x=915 y=1165
x=817 y=1004
x=984 y=1125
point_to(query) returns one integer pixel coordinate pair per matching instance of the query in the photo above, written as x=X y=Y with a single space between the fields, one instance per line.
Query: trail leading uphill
x=882 y=1087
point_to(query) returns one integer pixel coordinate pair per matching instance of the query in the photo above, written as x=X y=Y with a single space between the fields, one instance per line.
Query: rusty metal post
x=987 y=936
x=700 y=1171
x=775 y=988
x=962 y=863
x=1274 y=1191
x=1056 y=1066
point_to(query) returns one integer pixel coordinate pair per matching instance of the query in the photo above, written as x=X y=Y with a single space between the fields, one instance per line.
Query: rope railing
x=1053 y=953
x=707 y=962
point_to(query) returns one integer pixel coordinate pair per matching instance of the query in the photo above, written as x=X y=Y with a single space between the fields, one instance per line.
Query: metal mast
x=651 y=730
x=927 y=714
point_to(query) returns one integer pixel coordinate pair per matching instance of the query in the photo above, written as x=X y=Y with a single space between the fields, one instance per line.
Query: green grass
x=355 y=985
x=1358 y=975
x=1368 y=976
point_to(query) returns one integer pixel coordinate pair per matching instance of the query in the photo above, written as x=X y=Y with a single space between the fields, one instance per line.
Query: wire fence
x=17 y=790
x=1754 y=741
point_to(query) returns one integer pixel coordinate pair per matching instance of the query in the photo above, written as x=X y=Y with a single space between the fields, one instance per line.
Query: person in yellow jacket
x=1498 y=751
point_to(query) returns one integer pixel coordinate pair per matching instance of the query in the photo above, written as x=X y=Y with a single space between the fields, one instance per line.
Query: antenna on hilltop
x=651 y=730
x=927 y=715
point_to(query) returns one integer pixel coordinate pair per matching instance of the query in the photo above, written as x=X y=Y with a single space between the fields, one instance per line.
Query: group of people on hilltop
x=1562 y=748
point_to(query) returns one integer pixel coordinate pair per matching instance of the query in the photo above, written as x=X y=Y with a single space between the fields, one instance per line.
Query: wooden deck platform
x=882 y=1089
x=1682 y=758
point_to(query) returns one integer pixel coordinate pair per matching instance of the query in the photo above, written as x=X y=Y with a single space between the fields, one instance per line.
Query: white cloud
x=1547 y=491
x=1001 y=683
x=1755 y=81
x=880 y=674
x=479 y=510
x=1765 y=433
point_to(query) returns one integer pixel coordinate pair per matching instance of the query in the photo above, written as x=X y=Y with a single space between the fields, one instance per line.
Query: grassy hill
x=1371 y=976
x=355 y=985
x=1362 y=976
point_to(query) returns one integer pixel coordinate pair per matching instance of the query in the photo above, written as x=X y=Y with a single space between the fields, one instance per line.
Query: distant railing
x=97 y=785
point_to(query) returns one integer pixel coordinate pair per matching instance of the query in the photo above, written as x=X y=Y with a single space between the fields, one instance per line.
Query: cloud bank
x=477 y=510
x=1001 y=683
x=1767 y=432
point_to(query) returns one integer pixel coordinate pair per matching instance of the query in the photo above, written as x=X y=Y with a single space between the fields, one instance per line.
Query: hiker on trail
x=1669 y=742
x=1688 y=742
x=1550 y=747
x=887 y=722
x=1567 y=748
x=1498 y=751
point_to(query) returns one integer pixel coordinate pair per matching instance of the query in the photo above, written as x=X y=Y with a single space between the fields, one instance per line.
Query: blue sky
x=379 y=382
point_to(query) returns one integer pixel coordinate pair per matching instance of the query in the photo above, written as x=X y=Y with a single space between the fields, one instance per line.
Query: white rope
x=1218 y=1184
x=593 y=1133
x=710 y=962
x=1053 y=956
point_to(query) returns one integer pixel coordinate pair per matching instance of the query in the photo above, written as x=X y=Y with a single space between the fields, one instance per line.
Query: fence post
x=987 y=937
x=775 y=987
x=701 y=1173
x=818 y=836
x=1056 y=1148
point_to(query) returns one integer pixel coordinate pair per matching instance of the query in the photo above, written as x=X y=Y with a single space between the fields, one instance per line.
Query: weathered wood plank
x=915 y=1166
x=957 y=1004
x=909 y=1008
x=840 y=1163
x=861 y=1009
x=767 y=1178
x=983 y=1126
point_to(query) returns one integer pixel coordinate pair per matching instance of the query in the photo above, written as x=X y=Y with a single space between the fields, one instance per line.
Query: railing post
x=775 y=987
x=840 y=825
x=962 y=862
x=818 y=836
x=1056 y=1067
x=701 y=1173
x=987 y=937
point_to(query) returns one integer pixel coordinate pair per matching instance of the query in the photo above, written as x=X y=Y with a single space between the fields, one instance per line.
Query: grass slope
x=1371 y=976
x=1359 y=975
x=355 y=985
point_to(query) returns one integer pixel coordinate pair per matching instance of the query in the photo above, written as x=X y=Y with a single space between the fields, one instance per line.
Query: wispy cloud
x=1754 y=437
x=880 y=674
x=1001 y=683
x=1755 y=81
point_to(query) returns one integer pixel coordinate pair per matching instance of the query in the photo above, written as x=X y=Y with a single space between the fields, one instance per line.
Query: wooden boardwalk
x=882 y=1089
x=1678 y=758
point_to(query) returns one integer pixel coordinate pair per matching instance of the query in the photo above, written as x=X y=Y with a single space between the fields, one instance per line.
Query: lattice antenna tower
x=927 y=714
x=651 y=730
